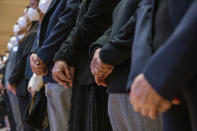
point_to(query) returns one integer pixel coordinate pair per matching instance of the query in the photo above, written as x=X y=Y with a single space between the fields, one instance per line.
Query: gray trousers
x=16 y=111
x=58 y=106
x=124 y=118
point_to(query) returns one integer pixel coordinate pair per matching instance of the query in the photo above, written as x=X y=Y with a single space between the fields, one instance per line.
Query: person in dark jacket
x=12 y=98
x=111 y=63
x=54 y=29
x=17 y=78
x=89 y=102
x=171 y=70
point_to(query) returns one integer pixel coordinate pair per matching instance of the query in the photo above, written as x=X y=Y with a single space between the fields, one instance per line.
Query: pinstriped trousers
x=58 y=106
x=124 y=118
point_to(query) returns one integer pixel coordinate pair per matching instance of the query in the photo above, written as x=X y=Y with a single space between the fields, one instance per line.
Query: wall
x=10 y=10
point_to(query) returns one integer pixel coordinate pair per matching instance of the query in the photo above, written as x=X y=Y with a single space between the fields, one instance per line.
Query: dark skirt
x=89 y=109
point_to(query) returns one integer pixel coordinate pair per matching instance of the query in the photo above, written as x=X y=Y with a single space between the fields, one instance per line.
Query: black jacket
x=94 y=18
x=117 y=50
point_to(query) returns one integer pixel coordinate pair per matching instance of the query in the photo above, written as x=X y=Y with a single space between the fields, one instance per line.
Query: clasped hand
x=63 y=74
x=146 y=100
x=37 y=65
x=99 y=69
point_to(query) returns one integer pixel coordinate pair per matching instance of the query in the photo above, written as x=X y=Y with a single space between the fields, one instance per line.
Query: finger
x=63 y=83
x=37 y=72
x=97 y=81
x=61 y=75
x=144 y=111
x=165 y=105
x=35 y=60
x=94 y=71
x=136 y=108
x=160 y=109
x=34 y=66
x=39 y=69
x=58 y=78
x=103 y=83
x=103 y=69
x=152 y=113
x=131 y=98
x=70 y=83
x=54 y=76
x=67 y=72
x=105 y=75
x=92 y=65
x=67 y=85
x=32 y=59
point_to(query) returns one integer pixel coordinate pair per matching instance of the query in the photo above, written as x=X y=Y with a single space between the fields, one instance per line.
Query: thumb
x=36 y=60
x=66 y=69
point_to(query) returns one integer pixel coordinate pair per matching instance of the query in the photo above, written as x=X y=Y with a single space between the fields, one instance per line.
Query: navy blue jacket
x=55 y=28
x=173 y=66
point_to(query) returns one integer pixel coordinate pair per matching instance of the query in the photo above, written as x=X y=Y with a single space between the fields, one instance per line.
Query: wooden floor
x=10 y=10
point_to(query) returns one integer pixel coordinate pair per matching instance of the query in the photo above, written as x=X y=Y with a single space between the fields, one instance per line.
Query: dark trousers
x=9 y=112
x=23 y=103
x=89 y=109
x=184 y=116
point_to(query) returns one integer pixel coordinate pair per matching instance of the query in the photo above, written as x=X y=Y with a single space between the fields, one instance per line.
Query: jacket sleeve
x=118 y=49
x=92 y=25
x=60 y=54
x=60 y=32
x=174 y=65
x=19 y=69
x=104 y=39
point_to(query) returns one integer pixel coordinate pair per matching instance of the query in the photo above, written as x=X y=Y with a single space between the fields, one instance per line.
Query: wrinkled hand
x=100 y=81
x=99 y=69
x=146 y=100
x=11 y=88
x=37 y=65
x=63 y=74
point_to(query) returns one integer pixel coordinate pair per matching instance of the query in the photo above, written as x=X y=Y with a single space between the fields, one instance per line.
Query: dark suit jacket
x=17 y=76
x=94 y=18
x=174 y=64
x=117 y=50
x=152 y=30
x=55 y=28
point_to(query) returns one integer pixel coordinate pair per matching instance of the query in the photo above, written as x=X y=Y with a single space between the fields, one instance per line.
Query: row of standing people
x=92 y=53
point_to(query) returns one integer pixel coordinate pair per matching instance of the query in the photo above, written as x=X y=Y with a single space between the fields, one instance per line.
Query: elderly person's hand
x=37 y=65
x=63 y=74
x=99 y=69
x=146 y=100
